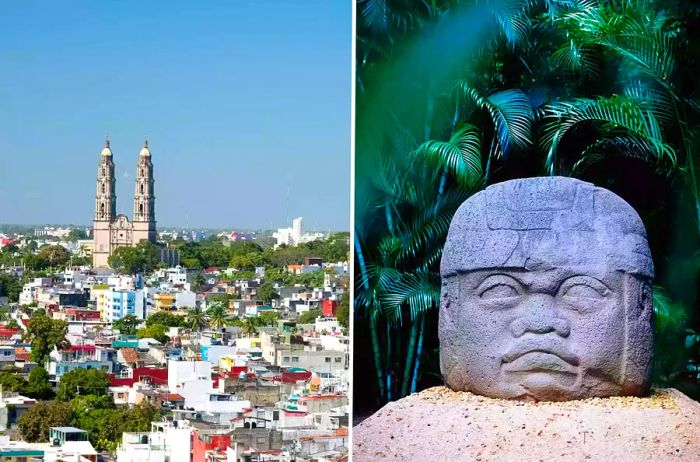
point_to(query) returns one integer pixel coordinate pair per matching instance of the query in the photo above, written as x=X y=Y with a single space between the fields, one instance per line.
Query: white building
x=295 y=235
x=180 y=372
x=167 y=441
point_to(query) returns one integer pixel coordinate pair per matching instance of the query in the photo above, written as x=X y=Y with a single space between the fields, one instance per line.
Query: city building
x=111 y=230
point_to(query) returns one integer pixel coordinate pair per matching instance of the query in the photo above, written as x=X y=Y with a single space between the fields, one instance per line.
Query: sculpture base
x=438 y=424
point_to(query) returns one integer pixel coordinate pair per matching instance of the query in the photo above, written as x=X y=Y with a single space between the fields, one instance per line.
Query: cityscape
x=122 y=343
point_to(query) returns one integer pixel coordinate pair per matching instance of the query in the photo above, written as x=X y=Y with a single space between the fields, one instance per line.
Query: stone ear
x=639 y=327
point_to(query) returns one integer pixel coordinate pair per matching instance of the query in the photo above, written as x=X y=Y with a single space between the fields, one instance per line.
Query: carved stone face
x=548 y=323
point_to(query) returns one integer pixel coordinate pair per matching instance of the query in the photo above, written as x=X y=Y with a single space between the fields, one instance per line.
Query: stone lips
x=546 y=293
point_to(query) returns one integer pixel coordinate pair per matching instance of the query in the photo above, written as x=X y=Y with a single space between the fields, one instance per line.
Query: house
x=81 y=357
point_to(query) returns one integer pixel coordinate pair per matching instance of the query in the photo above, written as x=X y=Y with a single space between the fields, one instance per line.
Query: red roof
x=159 y=376
x=174 y=397
x=84 y=348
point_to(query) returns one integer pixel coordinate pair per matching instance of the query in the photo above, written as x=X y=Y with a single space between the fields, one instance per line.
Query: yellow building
x=103 y=300
x=164 y=302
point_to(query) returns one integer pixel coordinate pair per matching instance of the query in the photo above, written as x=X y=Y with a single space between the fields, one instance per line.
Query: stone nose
x=539 y=316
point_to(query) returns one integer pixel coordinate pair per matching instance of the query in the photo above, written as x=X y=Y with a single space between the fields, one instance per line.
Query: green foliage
x=266 y=292
x=196 y=318
x=51 y=256
x=11 y=381
x=309 y=317
x=164 y=318
x=82 y=382
x=38 y=385
x=44 y=334
x=246 y=256
x=154 y=331
x=105 y=423
x=144 y=257
x=10 y=287
x=342 y=312
x=76 y=234
x=287 y=278
x=217 y=315
x=266 y=318
x=127 y=325
x=35 y=422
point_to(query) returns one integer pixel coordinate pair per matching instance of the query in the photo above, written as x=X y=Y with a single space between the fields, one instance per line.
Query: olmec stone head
x=546 y=293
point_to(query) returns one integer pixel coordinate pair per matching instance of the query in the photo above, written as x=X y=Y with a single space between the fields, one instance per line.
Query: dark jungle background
x=455 y=95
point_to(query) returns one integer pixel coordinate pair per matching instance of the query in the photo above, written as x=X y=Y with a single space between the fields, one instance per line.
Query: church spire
x=143 y=195
x=105 y=198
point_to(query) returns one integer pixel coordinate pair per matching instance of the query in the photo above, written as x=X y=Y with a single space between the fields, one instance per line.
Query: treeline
x=36 y=258
x=245 y=255
x=82 y=401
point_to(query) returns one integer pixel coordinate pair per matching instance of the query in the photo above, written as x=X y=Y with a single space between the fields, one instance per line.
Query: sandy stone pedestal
x=441 y=425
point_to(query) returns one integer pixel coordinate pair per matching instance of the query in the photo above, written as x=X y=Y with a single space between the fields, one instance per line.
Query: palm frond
x=510 y=111
x=460 y=156
x=420 y=291
x=611 y=114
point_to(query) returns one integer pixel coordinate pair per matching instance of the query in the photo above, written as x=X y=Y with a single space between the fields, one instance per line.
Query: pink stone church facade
x=110 y=230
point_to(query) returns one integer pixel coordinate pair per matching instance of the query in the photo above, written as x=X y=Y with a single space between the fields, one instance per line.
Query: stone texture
x=546 y=293
x=442 y=425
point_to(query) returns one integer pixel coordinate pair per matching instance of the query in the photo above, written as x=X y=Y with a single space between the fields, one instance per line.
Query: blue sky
x=246 y=106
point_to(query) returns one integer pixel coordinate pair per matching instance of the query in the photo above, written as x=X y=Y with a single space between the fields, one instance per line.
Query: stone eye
x=499 y=291
x=582 y=287
x=582 y=291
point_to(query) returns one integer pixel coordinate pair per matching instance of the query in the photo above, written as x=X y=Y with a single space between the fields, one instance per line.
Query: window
x=295 y=359
x=328 y=359
x=338 y=359
x=285 y=359
x=141 y=205
x=141 y=188
x=103 y=188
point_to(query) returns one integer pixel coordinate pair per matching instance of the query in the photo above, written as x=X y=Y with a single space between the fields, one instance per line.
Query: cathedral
x=110 y=230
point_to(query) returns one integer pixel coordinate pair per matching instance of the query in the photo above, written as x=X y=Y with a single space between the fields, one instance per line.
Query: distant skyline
x=246 y=107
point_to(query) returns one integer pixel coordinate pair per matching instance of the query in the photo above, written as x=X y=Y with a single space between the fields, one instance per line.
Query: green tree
x=267 y=318
x=10 y=287
x=342 y=312
x=144 y=257
x=82 y=382
x=249 y=327
x=76 y=234
x=38 y=385
x=44 y=334
x=52 y=256
x=127 y=325
x=217 y=314
x=196 y=318
x=310 y=316
x=166 y=319
x=154 y=331
x=35 y=422
x=11 y=381
x=242 y=262
x=266 y=292
x=198 y=281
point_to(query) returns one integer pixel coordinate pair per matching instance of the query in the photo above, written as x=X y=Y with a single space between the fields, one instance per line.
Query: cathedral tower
x=105 y=207
x=112 y=230
x=144 y=218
